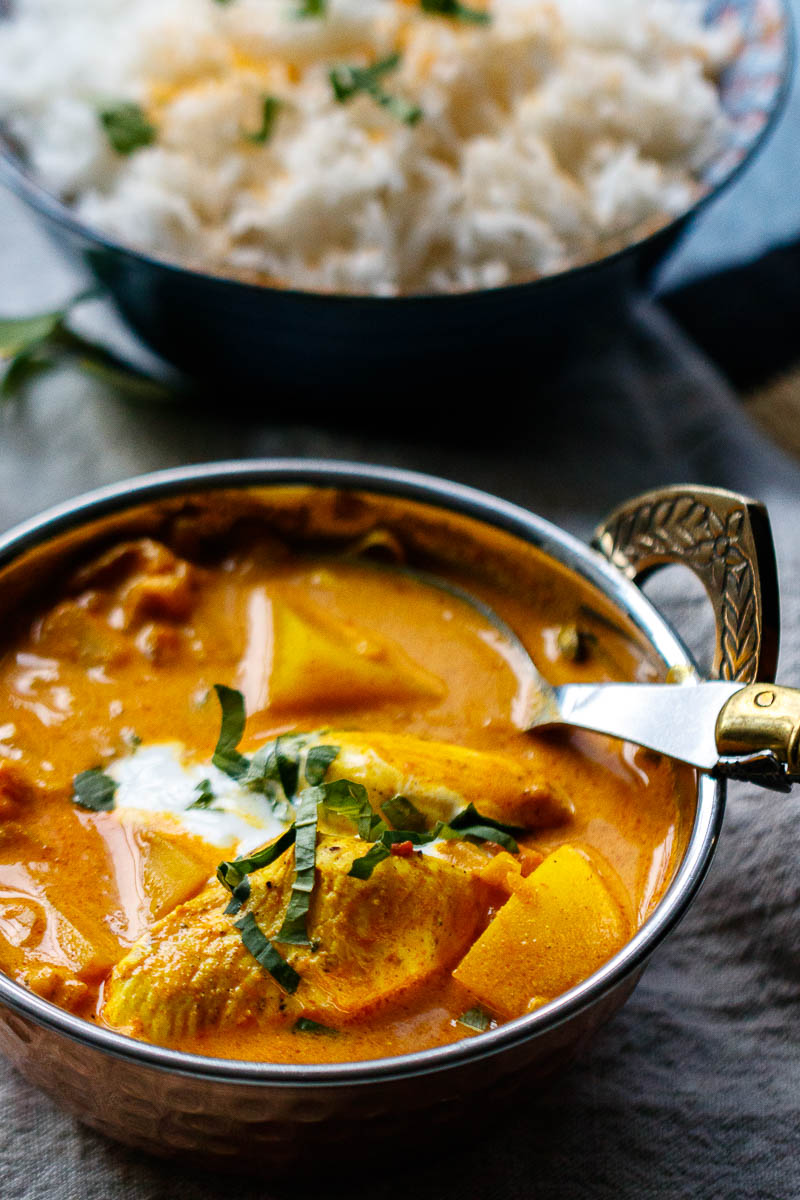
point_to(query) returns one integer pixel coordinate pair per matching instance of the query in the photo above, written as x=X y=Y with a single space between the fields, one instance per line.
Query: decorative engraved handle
x=726 y=540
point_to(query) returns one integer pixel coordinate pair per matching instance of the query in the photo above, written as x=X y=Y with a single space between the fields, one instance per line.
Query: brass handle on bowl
x=726 y=540
x=761 y=718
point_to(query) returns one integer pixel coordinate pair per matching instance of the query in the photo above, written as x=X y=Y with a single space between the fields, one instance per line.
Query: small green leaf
x=311 y=8
x=240 y=896
x=94 y=790
x=287 y=760
x=127 y=127
x=232 y=873
x=459 y=12
x=318 y=759
x=24 y=367
x=270 y=107
x=21 y=334
x=475 y=1018
x=349 y=799
x=263 y=951
x=306 y=1025
x=226 y=756
x=402 y=814
x=348 y=81
x=469 y=823
x=205 y=795
x=362 y=868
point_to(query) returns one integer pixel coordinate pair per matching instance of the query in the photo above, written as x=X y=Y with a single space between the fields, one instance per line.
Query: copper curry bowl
x=174 y=1103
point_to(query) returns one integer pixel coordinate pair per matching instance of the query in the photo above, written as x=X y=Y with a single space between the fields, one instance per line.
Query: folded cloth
x=693 y=1090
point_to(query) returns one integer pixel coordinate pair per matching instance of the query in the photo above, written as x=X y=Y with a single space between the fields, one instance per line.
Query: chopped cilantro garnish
x=459 y=12
x=348 y=81
x=94 y=790
x=270 y=107
x=127 y=127
x=475 y=1018
x=263 y=951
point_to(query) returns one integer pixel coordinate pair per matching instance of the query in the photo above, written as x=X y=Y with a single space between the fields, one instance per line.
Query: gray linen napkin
x=694 y=1089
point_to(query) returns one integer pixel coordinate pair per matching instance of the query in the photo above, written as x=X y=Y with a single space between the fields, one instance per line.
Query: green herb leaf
x=270 y=107
x=311 y=8
x=306 y=1025
x=469 y=823
x=402 y=814
x=22 y=369
x=25 y=342
x=21 y=334
x=287 y=761
x=349 y=799
x=94 y=790
x=475 y=1018
x=459 y=12
x=293 y=930
x=263 y=951
x=226 y=756
x=348 y=81
x=39 y=343
x=362 y=868
x=127 y=127
x=232 y=873
x=318 y=759
x=241 y=894
x=205 y=795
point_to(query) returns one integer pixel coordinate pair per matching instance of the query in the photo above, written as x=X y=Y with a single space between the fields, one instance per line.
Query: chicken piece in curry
x=274 y=803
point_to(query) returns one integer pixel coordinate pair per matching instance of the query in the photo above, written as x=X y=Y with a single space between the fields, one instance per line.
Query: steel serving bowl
x=274 y=343
x=170 y=1102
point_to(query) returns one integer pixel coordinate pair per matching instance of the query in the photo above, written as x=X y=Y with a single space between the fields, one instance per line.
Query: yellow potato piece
x=319 y=662
x=441 y=778
x=371 y=940
x=561 y=924
x=170 y=874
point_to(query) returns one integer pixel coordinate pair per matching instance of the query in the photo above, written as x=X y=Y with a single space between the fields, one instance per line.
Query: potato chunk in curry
x=562 y=923
x=371 y=940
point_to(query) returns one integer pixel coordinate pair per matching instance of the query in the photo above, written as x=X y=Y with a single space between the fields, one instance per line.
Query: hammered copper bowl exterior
x=211 y=1110
x=211 y=1121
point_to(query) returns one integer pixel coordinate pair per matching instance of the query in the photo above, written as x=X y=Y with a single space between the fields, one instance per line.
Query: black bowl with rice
x=279 y=210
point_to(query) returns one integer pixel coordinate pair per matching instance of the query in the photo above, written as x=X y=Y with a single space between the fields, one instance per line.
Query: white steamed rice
x=550 y=136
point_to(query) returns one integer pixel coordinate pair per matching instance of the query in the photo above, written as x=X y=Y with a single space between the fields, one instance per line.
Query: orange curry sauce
x=127 y=648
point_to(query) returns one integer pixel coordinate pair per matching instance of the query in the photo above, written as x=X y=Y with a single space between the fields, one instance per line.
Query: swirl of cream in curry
x=263 y=796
